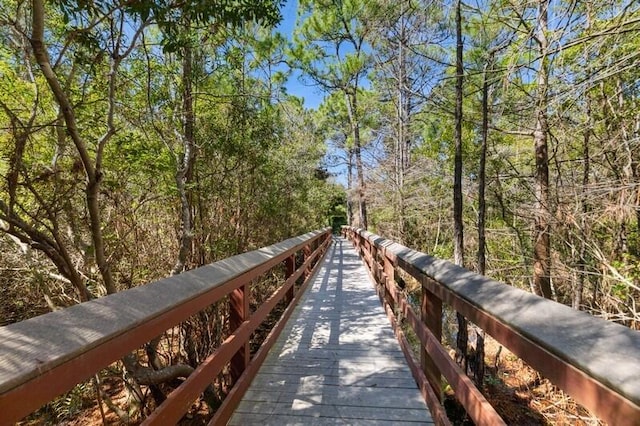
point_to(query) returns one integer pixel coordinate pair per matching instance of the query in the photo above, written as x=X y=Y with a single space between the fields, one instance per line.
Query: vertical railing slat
x=431 y=315
x=290 y=268
x=238 y=313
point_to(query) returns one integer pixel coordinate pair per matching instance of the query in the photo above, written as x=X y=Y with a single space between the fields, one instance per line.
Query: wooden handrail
x=593 y=360
x=45 y=356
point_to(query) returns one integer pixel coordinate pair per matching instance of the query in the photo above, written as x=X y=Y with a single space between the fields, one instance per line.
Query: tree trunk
x=402 y=125
x=478 y=360
x=457 y=177
x=52 y=247
x=185 y=164
x=93 y=203
x=349 y=187
x=578 y=290
x=352 y=109
x=362 y=202
x=482 y=174
x=93 y=172
x=542 y=226
x=461 y=352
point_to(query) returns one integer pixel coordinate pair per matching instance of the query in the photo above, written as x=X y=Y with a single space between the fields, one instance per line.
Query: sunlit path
x=337 y=360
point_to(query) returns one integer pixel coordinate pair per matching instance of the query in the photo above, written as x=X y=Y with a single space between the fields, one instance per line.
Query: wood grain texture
x=337 y=361
x=589 y=355
x=36 y=346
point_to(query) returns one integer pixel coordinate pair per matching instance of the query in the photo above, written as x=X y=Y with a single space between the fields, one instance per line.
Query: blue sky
x=312 y=95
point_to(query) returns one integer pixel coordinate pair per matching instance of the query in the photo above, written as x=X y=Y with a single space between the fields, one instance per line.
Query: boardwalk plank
x=337 y=361
x=40 y=344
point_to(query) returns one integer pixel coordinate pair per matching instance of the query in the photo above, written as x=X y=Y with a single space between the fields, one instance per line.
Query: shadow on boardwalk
x=337 y=361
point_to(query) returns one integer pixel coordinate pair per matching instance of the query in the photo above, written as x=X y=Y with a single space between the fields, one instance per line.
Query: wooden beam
x=45 y=356
x=571 y=348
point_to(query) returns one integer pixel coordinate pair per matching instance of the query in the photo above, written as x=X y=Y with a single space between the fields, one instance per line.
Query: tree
x=330 y=49
x=542 y=228
x=112 y=45
x=333 y=119
x=180 y=35
x=404 y=50
x=458 y=225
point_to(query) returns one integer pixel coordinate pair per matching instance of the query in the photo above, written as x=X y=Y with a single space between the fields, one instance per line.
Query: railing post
x=363 y=248
x=373 y=252
x=366 y=254
x=431 y=315
x=307 y=254
x=390 y=272
x=290 y=268
x=238 y=313
x=328 y=237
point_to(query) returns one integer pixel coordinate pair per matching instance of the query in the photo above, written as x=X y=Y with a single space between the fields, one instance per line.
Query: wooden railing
x=43 y=357
x=594 y=361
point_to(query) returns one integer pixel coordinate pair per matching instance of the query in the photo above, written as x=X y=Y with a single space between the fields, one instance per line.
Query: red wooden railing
x=595 y=361
x=43 y=357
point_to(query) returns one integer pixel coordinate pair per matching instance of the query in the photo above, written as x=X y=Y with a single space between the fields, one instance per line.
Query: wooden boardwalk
x=337 y=361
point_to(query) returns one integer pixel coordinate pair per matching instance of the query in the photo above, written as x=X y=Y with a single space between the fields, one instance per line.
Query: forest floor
x=521 y=395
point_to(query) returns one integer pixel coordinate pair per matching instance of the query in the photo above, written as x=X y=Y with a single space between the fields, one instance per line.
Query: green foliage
x=259 y=174
x=329 y=42
x=72 y=403
x=254 y=180
x=261 y=159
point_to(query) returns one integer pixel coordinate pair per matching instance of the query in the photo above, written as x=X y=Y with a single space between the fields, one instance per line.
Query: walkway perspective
x=337 y=361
